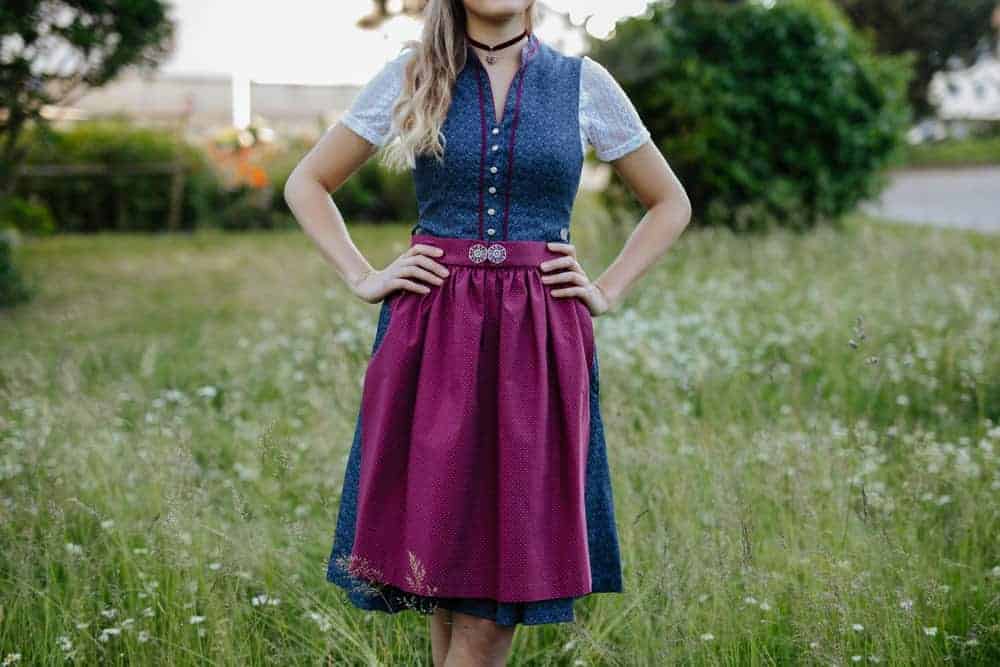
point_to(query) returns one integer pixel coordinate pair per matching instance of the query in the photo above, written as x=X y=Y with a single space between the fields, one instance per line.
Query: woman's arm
x=612 y=125
x=335 y=157
x=668 y=211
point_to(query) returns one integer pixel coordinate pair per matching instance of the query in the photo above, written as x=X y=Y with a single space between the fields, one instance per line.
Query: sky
x=306 y=41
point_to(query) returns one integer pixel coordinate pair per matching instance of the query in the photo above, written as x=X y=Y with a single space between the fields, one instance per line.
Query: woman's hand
x=581 y=286
x=416 y=262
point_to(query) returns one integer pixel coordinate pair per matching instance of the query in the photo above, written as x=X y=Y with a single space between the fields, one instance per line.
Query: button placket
x=497 y=156
x=496 y=162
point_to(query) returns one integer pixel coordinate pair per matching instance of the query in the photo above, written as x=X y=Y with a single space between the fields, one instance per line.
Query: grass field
x=972 y=151
x=802 y=430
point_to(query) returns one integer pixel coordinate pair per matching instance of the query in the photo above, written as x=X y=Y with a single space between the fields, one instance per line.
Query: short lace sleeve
x=608 y=119
x=370 y=113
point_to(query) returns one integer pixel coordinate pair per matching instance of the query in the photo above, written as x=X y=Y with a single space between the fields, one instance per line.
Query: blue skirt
x=602 y=536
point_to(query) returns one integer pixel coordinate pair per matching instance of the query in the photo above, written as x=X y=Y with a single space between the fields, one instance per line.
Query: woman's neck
x=494 y=31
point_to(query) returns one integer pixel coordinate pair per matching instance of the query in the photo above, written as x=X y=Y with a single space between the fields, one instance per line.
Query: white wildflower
x=108 y=633
x=263 y=599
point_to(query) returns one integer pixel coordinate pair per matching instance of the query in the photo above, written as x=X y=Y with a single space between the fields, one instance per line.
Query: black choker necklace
x=490 y=58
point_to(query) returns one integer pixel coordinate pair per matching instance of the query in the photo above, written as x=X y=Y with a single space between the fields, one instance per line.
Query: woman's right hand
x=416 y=262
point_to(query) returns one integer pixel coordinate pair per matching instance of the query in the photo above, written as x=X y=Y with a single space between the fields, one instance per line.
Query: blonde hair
x=423 y=103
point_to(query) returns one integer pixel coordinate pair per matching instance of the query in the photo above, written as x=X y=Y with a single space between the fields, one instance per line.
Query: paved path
x=967 y=198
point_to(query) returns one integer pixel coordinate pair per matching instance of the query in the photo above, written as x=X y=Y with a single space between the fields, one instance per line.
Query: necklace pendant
x=490 y=58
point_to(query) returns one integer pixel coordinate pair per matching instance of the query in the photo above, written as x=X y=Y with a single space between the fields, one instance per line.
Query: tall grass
x=802 y=429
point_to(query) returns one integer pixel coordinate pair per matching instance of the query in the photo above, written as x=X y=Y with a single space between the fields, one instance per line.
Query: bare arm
x=668 y=211
x=335 y=157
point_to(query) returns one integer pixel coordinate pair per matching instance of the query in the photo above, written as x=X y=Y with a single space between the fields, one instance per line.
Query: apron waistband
x=486 y=253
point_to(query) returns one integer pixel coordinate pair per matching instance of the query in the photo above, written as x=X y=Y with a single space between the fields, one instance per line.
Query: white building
x=204 y=103
x=972 y=93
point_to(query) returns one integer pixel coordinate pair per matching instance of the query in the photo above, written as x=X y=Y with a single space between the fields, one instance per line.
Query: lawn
x=802 y=430
x=967 y=152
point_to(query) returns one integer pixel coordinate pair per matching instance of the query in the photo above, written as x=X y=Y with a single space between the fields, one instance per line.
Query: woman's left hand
x=581 y=286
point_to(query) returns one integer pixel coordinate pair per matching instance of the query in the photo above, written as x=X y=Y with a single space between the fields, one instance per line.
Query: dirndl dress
x=478 y=478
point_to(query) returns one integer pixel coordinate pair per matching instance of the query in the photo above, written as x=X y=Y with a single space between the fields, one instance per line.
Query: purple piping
x=510 y=154
x=482 y=153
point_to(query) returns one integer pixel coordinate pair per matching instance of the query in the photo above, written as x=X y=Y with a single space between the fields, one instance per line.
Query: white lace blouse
x=608 y=120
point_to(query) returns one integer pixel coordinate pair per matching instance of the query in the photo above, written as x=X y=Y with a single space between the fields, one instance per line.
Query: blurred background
x=189 y=114
x=801 y=400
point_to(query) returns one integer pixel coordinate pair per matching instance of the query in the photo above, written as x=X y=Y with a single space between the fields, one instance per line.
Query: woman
x=477 y=487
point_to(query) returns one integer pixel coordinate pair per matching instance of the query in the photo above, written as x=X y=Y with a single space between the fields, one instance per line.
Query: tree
x=54 y=50
x=933 y=30
x=770 y=116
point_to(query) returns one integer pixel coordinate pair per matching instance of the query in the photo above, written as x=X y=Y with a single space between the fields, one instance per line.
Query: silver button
x=478 y=252
x=496 y=253
x=490 y=211
x=491 y=231
x=496 y=130
x=496 y=147
x=493 y=170
x=564 y=233
x=493 y=189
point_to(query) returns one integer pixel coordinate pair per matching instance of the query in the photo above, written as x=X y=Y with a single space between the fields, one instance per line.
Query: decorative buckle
x=496 y=253
x=477 y=253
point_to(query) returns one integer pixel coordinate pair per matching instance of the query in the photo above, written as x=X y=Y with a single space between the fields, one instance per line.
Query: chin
x=497 y=9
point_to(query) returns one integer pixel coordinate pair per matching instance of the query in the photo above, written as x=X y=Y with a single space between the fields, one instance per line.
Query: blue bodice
x=515 y=177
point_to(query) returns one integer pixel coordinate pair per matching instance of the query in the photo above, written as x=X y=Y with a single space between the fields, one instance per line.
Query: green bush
x=249 y=209
x=123 y=199
x=769 y=116
x=13 y=289
x=372 y=194
x=377 y=194
x=30 y=217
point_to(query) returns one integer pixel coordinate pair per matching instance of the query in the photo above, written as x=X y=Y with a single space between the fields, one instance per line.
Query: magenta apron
x=476 y=433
